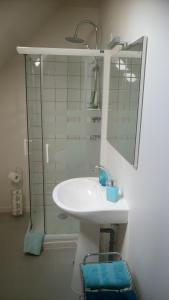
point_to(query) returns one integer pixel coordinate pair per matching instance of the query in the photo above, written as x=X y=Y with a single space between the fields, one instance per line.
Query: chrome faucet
x=104 y=176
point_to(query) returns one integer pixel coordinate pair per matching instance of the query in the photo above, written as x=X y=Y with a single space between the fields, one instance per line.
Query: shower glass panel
x=66 y=94
x=34 y=110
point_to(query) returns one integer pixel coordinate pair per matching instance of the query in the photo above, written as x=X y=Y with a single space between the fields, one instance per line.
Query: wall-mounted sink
x=85 y=198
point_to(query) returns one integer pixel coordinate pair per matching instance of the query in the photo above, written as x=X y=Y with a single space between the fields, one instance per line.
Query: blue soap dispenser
x=103 y=177
x=113 y=192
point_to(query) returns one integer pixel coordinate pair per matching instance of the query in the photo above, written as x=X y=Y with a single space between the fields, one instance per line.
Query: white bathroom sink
x=84 y=198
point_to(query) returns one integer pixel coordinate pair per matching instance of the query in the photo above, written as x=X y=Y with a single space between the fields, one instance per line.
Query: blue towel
x=106 y=275
x=33 y=242
x=107 y=295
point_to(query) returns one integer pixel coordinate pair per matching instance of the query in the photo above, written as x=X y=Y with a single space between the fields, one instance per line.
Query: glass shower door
x=64 y=126
x=71 y=126
x=34 y=141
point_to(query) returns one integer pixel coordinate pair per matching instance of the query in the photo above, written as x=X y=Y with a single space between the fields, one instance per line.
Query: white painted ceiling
x=20 y=19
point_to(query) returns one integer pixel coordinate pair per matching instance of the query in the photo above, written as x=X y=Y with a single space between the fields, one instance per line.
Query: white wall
x=63 y=24
x=18 y=21
x=12 y=93
x=146 y=188
x=12 y=126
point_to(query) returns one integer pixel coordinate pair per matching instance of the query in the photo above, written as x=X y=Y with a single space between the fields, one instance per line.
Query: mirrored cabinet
x=126 y=84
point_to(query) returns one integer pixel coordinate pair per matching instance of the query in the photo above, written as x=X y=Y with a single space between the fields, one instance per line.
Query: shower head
x=77 y=40
x=74 y=39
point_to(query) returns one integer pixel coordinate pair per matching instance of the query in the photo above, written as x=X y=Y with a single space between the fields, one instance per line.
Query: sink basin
x=84 y=198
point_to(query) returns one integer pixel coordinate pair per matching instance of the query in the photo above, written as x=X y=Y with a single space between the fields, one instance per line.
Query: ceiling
x=21 y=19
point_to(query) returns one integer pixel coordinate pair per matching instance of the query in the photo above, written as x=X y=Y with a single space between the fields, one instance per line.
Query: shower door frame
x=60 y=52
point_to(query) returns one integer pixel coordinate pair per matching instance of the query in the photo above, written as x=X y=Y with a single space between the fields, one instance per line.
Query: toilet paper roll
x=14 y=177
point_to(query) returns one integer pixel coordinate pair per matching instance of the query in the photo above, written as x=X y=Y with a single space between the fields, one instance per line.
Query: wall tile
x=48 y=82
x=114 y=71
x=48 y=108
x=33 y=94
x=61 y=108
x=33 y=80
x=73 y=68
x=37 y=189
x=74 y=82
x=113 y=96
x=60 y=94
x=36 y=155
x=49 y=68
x=34 y=107
x=35 y=132
x=87 y=83
x=114 y=83
x=36 y=178
x=34 y=119
x=36 y=167
x=71 y=106
x=60 y=82
x=74 y=95
x=60 y=127
x=35 y=144
x=37 y=200
x=49 y=132
x=49 y=188
x=74 y=59
x=48 y=94
x=61 y=68
x=124 y=84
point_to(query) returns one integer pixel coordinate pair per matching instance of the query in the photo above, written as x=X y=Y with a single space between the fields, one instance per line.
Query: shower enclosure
x=64 y=89
x=64 y=92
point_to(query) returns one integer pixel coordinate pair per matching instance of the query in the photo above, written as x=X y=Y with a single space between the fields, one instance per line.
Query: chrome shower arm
x=86 y=21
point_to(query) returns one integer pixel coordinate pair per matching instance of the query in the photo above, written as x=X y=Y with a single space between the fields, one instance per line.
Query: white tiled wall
x=69 y=127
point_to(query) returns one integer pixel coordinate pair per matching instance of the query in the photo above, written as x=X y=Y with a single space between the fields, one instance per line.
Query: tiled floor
x=23 y=277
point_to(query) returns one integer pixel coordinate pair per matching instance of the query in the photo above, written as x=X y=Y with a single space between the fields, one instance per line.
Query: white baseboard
x=60 y=245
x=60 y=241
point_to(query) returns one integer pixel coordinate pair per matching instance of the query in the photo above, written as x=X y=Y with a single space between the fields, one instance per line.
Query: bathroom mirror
x=125 y=99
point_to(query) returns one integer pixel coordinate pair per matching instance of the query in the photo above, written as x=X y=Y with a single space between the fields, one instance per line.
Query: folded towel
x=33 y=242
x=106 y=275
x=107 y=295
